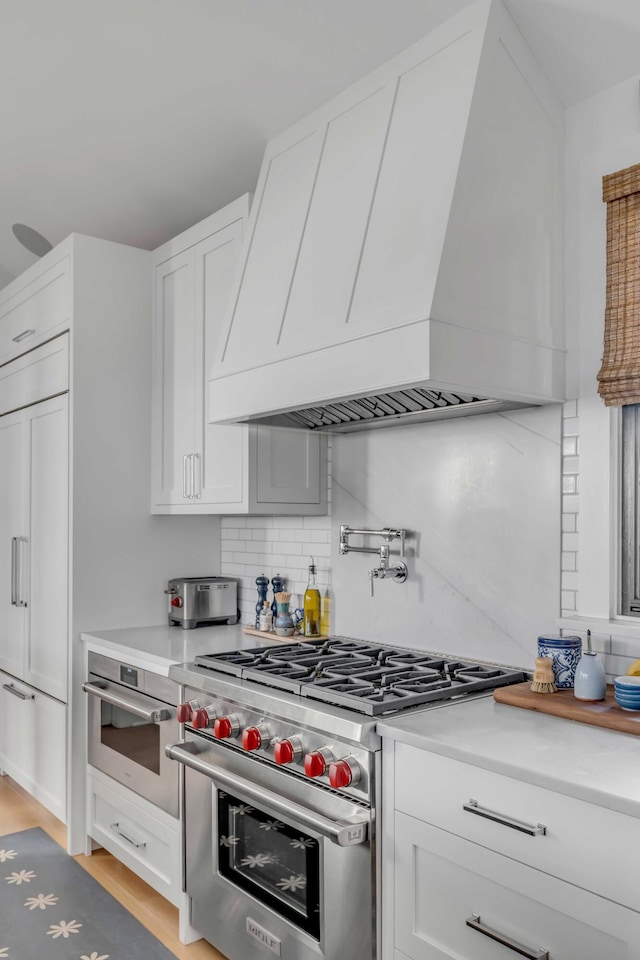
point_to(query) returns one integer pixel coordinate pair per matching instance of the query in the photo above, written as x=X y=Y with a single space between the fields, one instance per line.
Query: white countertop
x=160 y=646
x=590 y=763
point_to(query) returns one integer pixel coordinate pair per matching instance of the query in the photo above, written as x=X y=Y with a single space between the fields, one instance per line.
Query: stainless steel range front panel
x=239 y=901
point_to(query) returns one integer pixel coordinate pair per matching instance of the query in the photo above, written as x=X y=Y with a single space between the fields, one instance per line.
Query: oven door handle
x=346 y=833
x=154 y=714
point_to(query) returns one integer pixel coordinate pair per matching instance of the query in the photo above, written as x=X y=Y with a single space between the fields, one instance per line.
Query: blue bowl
x=628 y=704
x=628 y=698
x=632 y=684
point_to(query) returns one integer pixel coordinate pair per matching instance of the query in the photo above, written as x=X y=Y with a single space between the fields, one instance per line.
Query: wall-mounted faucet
x=397 y=571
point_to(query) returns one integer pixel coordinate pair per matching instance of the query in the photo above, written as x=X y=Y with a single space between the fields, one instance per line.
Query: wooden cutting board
x=562 y=703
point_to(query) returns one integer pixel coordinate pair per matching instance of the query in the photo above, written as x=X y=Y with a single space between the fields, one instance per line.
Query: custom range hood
x=404 y=252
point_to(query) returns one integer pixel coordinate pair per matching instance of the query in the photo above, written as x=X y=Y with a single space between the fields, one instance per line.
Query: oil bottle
x=311 y=605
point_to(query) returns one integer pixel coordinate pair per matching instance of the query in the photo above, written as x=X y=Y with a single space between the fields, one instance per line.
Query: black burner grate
x=370 y=679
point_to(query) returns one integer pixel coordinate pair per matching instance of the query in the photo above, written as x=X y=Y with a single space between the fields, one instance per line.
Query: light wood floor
x=19 y=811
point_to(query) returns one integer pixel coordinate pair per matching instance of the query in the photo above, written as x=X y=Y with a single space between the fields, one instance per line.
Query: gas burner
x=370 y=679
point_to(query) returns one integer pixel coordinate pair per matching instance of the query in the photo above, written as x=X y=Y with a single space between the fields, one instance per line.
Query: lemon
x=634 y=669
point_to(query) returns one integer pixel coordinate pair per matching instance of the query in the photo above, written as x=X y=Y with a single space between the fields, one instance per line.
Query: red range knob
x=203 y=717
x=314 y=764
x=252 y=738
x=176 y=602
x=224 y=727
x=344 y=773
x=288 y=750
x=184 y=713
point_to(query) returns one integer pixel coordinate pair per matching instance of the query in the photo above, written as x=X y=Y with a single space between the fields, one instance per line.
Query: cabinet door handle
x=9 y=687
x=537 y=830
x=185 y=461
x=531 y=953
x=16 y=579
x=22 y=336
x=197 y=472
x=14 y=571
x=134 y=843
x=22 y=602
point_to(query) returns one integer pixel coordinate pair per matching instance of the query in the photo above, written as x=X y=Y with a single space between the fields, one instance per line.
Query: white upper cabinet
x=407 y=233
x=200 y=467
x=39 y=309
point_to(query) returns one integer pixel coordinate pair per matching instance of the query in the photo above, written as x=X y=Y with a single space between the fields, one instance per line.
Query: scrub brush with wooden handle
x=543 y=681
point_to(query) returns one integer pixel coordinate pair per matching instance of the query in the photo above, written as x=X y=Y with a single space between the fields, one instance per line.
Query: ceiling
x=133 y=119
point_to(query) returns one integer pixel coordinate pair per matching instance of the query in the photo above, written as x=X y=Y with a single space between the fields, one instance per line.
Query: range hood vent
x=403 y=259
x=382 y=410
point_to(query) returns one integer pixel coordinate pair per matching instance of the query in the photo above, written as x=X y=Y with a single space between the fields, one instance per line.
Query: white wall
x=602 y=136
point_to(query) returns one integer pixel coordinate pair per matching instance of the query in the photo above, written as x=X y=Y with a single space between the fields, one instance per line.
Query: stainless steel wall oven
x=131 y=719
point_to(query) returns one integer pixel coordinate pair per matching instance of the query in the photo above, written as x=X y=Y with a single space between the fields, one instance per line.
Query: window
x=630 y=512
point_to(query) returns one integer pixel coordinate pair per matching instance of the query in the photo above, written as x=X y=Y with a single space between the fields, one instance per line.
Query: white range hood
x=405 y=249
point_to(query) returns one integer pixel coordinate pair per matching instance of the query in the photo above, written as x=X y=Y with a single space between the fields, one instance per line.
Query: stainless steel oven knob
x=315 y=763
x=225 y=727
x=344 y=773
x=287 y=750
x=185 y=710
x=203 y=717
x=255 y=737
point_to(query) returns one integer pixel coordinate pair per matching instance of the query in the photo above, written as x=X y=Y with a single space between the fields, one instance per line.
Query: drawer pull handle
x=22 y=336
x=9 y=687
x=539 y=830
x=134 y=843
x=476 y=924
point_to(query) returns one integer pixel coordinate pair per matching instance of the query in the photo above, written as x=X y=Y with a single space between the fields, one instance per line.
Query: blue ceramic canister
x=564 y=653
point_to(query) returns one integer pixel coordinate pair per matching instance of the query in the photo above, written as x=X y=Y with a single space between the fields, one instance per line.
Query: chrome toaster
x=196 y=600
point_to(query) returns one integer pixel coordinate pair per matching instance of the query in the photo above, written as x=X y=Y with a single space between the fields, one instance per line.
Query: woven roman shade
x=619 y=376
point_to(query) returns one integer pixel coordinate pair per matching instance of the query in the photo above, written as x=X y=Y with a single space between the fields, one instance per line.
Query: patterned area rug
x=51 y=908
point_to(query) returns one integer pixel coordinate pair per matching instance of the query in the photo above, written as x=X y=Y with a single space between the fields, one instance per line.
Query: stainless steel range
x=282 y=786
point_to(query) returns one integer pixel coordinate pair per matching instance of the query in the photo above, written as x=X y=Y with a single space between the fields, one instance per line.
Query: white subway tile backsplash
x=617 y=666
x=232 y=522
x=290 y=547
x=570 y=465
x=570 y=504
x=570 y=483
x=570 y=446
x=570 y=542
x=568 y=601
x=571 y=426
x=569 y=561
x=626 y=646
x=570 y=409
x=570 y=581
x=288 y=523
x=569 y=522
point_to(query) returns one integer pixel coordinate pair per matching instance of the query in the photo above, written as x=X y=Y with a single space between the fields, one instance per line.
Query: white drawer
x=36 y=311
x=582 y=843
x=39 y=374
x=33 y=742
x=442 y=881
x=142 y=842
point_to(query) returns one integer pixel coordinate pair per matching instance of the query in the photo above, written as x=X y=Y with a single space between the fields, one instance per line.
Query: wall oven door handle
x=345 y=833
x=152 y=714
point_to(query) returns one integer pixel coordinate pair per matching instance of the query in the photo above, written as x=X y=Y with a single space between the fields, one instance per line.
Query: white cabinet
x=74 y=493
x=391 y=242
x=455 y=899
x=199 y=467
x=540 y=870
x=136 y=832
x=34 y=543
x=33 y=742
x=36 y=310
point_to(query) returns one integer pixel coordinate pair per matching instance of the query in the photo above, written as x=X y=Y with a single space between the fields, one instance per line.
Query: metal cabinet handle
x=155 y=714
x=16 y=579
x=197 y=476
x=14 y=571
x=345 y=833
x=185 y=460
x=134 y=843
x=22 y=336
x=21 y=602
x=9 y=687
x=539 y=830
x=531 y=953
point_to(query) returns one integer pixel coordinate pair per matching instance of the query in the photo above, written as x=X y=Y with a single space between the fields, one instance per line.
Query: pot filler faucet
x=386 y=570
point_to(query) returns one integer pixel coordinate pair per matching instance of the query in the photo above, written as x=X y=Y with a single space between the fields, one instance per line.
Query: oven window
x=130 y=736
x=275 y=862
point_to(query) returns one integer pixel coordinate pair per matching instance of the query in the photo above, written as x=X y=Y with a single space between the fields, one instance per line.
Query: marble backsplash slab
x=482 y=498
